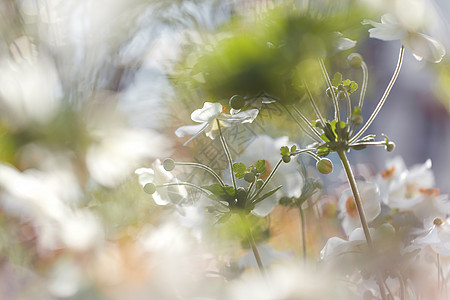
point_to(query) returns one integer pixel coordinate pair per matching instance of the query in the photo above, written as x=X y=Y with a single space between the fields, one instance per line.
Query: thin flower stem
x=349 y=107
x=364 y=84
x=439 y=273
x=252 y=243
x=227 y=154
x=267 y=180
x=313 y=103
x=315 y=156
x=361 y=213
x=308 y=123
x=309 y=151
x=201 y=166
x=330 y=86
x=383 y=98
x=184 y=184
x=303 y=229
x=301 y=126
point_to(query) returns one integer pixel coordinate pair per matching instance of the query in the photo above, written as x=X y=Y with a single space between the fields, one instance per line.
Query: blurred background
x=91 y=90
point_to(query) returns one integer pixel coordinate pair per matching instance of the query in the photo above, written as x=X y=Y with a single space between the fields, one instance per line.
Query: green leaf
x=284 y=150
x=293 y=148
x=239 y=169
x=337 y=79
x=268 y=194
x=261 y=166
x=346 y=82
x=353 y=87
x=223 y=192
x=323 y=151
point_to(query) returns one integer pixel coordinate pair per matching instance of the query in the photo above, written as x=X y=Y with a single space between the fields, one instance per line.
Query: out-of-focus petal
x=424 y=47
x=206 y=114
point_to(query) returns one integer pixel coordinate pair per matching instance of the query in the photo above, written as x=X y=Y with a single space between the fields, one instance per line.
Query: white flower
x=336 y=247
x=348 y=213
x=437 y=237
x=207 y=116
x=157 y=175
x=287 y=175
x=421 y=45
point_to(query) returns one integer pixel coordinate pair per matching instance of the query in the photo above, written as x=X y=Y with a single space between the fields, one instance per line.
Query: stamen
x=429 y=192
x=388 y=173
x=350 y=207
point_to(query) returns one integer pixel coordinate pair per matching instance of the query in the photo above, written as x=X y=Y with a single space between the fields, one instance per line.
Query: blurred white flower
x=46 y=199
x=348 y=212
x=287 y=175
x=157 y=175
x=207 y=117
x=421 y=45
x=267 y=253
x=337 y=247
x=30 y=91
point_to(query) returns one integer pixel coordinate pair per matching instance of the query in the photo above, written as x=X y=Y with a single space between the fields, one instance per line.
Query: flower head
x=207 y=116
x=421 y=45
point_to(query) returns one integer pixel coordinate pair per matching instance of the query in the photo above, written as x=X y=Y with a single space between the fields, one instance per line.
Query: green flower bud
x=150 y=188
x=341 y=95
x=286 y=158
x=354 y=60
x=249 y=177
x=169 y=164
x=390 y=146
x=237 y=102
x=357 y=120
x=241 y=196
x=325 y=166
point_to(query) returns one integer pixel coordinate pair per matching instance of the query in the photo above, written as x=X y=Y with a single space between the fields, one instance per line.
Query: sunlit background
x=91 y=90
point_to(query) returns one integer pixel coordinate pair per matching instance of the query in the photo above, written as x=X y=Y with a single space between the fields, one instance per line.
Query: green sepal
x=284 y=150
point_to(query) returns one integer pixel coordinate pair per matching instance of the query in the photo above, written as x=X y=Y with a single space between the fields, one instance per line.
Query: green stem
x=301 y=126
x=364 y=84
x=227 y=154
x=310 y=126
x=383 y=98
x=201 y=166
x=303 y=229
x=313 y=103
x=252 y=243
x=361 y=213
x=330 y=86
x=267 y=180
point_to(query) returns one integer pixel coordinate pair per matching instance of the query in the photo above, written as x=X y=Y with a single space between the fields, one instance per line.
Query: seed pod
x=169 y=164
x=237 y=102
x=325 y=166
x=249 y=177
x=354 y=60
x=150 y=188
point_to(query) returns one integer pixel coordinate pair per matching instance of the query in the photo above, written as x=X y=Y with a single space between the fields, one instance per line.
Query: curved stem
x=383 y=98
x=308 y=123
x=364 y=84
x=361 y=213
x=330 y=86
x=313 y=103
x=201 y=166
x=227 y=154
x=303 y=229
x=349 y=107
x=184 y=184
x=301 y=126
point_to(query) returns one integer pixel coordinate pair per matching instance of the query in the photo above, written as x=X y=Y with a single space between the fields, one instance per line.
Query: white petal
x=246 y=116
x=206 y=114
x=146 y=175
x=424 y=46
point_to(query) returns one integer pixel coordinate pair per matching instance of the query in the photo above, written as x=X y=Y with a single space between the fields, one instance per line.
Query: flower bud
x=286 y=158
x=390 y=146
x=169 y=164
x=237 y=102
x=249 y=177
x=325 y=166
x=150 y=188
x=354 y=60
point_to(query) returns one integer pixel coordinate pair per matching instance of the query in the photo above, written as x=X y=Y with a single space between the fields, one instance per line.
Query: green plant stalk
x=301 y=126
x=252 y=243
x=227 y=154
x=361 y=213
x=330 y=86
x=303 y=229
x=203 y=167
x=383 y=98
x=267 y=180
x=313 y=103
